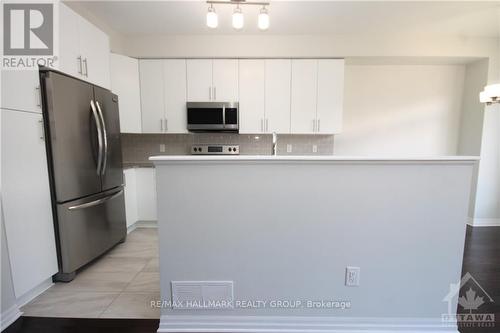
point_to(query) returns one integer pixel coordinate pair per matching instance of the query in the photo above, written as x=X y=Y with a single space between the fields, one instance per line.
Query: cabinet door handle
x=80 y=66
x=267 y=124
x=166 y=125
x=209 y=93
x=161 y=124
x=85 y=65
x=314 y=125
x=319 y=125
x=215 y=93
x=38 y=96
x=42 y=131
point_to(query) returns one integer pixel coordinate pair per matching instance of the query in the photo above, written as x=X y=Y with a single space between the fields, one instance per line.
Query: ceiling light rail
x=238 y=19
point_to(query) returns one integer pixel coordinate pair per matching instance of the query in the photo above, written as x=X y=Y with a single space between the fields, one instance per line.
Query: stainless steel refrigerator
x=85 y=169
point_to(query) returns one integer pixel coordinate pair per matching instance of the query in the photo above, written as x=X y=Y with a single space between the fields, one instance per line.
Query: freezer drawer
x=89 y=227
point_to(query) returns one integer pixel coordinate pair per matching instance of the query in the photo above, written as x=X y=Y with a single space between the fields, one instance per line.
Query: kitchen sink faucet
x=275 y=142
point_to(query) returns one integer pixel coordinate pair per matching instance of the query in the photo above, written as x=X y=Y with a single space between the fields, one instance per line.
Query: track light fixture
x=238 y=20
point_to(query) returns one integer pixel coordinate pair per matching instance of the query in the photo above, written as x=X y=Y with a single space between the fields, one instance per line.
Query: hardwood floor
x=82 y=325
x=481 y=259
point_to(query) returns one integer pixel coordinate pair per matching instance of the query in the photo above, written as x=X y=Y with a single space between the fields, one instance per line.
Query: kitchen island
x=273 y=236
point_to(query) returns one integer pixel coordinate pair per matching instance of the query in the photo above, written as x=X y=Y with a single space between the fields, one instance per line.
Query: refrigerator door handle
x=99 y=136
x=105 y=139
x=96 y=202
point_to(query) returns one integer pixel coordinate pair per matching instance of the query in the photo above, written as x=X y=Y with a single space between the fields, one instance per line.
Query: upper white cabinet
x=26 y=201
x=212 y=80
x=125 y=83
x=225 y=80
x=174 y=79
x=199 y=80
x=163 y=95
x=316 y=95
x=304 y=92
x=252 y=96
x=330 y=96
x=21 y=90
x=264 y=96
x=152 y=99
x=278 y=85
x=84 y=49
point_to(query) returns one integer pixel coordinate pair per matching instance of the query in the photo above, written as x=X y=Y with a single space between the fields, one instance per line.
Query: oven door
x=212 y=116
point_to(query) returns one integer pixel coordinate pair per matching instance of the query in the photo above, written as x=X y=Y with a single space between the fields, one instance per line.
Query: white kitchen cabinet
x=317 y=96
x=125 y=83
x=26 y=201
x=146 y=194
x=130 y=196
x=225 y=80
x=83 y=49
x=70 y=61
x=152 y=95
x=252 y=76
x=163 y=96
x=199 y=80
x=21 y=90
x=277 y=91
x=212 y=80
x=94 y=47
x=174 y=78
x=330 y=96
x=304 y=93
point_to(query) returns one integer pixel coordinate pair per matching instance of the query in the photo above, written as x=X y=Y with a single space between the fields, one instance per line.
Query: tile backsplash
x=137 y=148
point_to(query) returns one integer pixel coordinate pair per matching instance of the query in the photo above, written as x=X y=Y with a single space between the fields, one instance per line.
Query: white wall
x=401 y=110
x=472 y=116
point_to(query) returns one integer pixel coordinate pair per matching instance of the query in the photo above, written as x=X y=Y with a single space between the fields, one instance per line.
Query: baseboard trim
x=36 y=291
x=9 y=316
x=271 y=324
x=142 y=224
x=484 y=222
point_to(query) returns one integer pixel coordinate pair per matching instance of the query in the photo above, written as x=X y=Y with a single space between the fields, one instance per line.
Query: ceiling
x=138 y=18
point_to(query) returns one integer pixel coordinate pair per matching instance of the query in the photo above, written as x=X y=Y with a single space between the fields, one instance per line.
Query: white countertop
x=181 y=158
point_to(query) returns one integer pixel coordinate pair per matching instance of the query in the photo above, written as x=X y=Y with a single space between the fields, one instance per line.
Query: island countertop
x=203 y=158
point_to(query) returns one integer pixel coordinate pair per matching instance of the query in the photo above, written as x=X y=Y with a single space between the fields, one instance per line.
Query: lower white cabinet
x=26 y=201
x=125 y=83
x=140 y=195
x=21 y=90
x=130 y=196
x=146 y=194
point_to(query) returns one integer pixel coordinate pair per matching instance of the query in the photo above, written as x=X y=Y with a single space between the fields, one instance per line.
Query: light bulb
x=263 y=20
x=238 y=20
x=484 y=98
x=492 y=91
x=212 y=20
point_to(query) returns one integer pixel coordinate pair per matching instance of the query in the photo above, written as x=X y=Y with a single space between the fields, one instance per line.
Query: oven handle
x=224 y=115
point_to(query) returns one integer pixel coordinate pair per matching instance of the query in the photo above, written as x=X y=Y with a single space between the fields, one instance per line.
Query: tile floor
x=121 y=284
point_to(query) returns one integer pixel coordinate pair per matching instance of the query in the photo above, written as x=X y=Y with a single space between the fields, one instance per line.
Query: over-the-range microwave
x=212 y=116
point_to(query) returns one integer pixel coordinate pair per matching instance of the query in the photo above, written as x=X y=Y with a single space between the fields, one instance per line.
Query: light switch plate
x=352 y=276
x=288 y=148
x=162 y=147
x=315 y=148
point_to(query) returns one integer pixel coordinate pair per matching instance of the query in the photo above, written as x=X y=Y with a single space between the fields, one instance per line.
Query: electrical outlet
x=352 y=276
x=315 y=148
x=288 y=148
x=162 y=147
